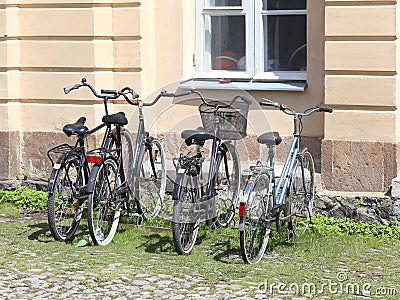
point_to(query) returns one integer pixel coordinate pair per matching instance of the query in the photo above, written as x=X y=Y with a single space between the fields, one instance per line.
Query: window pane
x=285 y=48
x=225 y=43
x=224 y=2
x=284 y=4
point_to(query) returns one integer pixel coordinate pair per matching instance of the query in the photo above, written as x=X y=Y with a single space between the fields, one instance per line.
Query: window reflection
x=286 y=43
x=224 y=2
x=226 y=43
x=284 y=4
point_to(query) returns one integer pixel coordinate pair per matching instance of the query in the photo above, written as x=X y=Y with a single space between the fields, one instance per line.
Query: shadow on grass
x=156 y=243
x=41 y=233
x=162 y=241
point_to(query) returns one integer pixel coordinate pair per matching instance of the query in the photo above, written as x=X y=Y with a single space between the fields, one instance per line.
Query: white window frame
x=253 y=12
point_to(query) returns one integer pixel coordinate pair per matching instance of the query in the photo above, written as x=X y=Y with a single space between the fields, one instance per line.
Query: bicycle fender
x=243 y=203
x=177 y=185
x=92 y=178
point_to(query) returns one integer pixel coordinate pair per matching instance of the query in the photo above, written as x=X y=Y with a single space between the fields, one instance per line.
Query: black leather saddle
x=117 y=119
x=196 y=136
x=78 y=127
x=270 y=138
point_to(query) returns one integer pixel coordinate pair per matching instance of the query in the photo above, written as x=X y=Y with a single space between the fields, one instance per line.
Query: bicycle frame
x=141 y=140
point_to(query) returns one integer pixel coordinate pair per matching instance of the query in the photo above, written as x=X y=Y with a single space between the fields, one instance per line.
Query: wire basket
x=231 y=120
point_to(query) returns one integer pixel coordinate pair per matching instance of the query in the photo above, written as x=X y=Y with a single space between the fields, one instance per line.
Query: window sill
x=293 y=86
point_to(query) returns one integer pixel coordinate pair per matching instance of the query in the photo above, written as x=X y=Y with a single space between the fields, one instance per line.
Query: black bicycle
x=67 y=186
x=136 y=184
x=211 y=197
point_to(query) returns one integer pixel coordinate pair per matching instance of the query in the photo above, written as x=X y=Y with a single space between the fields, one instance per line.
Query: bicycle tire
x=255 y=224
x=302 y=191
x=185 y=216
x=150 y=184
x=64 y=209
x=227 y=186
x=104 y=202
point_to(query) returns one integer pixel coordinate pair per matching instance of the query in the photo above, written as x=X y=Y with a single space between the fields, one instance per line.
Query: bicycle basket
x=231 y=120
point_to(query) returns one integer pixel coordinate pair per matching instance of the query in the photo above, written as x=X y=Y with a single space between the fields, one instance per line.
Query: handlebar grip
x=269 y=103
x=164 y=93
x=182 y=94
x=326 y=109
x=71 y=87
x=111 y=92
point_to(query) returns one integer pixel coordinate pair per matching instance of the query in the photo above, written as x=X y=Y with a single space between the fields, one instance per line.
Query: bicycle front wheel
x=255 y=220
x=104 y=202
x=150 y=178
x=301 y=198
x=185 y=217
x=227 y=185
x=64 y=208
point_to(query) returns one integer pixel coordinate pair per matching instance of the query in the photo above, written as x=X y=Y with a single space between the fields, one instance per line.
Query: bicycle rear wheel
x=227 y=186
x=150 y=177
x=255 y=220
x=301 y=198
x=185 y=217
x=64 y=208
x=104 y=202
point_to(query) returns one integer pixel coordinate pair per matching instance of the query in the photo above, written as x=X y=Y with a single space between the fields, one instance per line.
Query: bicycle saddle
x=198 y=135
x=118 y=119
x=270 y=138
x=78 y=127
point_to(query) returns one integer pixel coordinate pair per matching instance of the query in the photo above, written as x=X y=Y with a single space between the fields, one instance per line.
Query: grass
x=337 y=266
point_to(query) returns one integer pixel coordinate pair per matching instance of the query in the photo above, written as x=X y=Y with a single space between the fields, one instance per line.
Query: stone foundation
x=358 y=166
x=370 y=207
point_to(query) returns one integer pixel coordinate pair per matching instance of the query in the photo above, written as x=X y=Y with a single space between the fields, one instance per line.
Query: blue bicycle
x=287 y=200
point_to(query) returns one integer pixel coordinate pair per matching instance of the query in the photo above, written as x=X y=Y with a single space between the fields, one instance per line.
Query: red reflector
x=242 y=209
x=95 y=159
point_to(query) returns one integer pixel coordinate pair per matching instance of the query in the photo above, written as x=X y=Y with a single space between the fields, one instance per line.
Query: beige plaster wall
x=47 y=45
x=361 y=64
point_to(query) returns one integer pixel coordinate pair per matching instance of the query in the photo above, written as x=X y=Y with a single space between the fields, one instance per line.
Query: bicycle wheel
x=150 y=178
x=227 y=186
x=185 y=217
x=255 y=221
x=64 y=209
x=301 y=195
x=104 y=202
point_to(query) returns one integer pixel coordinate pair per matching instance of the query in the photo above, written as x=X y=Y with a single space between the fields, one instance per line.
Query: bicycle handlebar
x=217 y=104
x=289 y=111
x=104 y=93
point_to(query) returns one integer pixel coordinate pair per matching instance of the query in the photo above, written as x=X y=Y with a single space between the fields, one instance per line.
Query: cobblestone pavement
x=43 y=284
x=39 y=277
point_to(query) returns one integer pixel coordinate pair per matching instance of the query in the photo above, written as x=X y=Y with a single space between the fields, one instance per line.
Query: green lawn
x=320 y=264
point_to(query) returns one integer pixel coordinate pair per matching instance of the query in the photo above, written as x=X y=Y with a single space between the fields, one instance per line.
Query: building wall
x=48 y=44
x=360 y=150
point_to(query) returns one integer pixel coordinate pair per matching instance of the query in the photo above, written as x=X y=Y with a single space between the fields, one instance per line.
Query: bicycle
x=141 y=191
x=215 y=199
x=67 y=188
x=290 y=199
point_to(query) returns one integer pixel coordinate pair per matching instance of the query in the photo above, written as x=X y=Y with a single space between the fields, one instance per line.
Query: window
x=251 y=39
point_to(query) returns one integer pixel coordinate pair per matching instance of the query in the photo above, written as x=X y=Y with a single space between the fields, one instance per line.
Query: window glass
x=286 y=43
x=226 y=43
x=224 y=2
x=284 y=4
